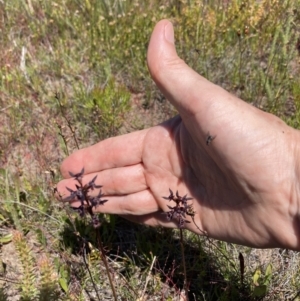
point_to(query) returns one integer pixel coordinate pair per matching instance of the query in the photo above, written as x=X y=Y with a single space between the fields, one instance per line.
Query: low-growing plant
x=28 y=284
x=179 y=212
x=261 y=281
x=87 y=204
x=108 y=105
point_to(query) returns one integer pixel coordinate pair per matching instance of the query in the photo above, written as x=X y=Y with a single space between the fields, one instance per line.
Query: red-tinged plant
x=86 y=202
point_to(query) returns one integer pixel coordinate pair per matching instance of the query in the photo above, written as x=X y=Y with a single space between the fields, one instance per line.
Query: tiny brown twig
x=69 y=124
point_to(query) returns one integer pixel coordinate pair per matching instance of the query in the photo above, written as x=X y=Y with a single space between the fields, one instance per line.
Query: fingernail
x=169 y=33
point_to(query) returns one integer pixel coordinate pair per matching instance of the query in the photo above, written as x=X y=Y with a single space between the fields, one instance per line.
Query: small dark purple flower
x=170 y=197
x=91 y=185
x=81 y=194
x=77 y=175
x=181 y=208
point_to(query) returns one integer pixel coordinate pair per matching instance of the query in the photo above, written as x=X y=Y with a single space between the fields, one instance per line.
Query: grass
x=74 y=72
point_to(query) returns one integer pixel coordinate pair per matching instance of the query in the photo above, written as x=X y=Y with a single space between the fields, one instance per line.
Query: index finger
x=113 y=152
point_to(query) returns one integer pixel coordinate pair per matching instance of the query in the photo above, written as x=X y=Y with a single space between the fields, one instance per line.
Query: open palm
x=239 y=164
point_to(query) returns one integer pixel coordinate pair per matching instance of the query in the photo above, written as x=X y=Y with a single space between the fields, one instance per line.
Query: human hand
x=244 y=182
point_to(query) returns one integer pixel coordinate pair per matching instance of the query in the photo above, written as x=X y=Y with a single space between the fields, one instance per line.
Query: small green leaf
x=63 y=272
x=63 y=284
x=256 y=276
x=268 y=275
x=269 y=270
x=6 y=238
x=260 y=291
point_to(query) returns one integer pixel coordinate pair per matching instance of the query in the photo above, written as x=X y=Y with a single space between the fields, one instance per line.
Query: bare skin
x=241 y=165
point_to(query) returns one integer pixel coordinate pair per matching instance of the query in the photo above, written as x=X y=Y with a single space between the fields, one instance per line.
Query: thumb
x=177 y=81
x=198 y=101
